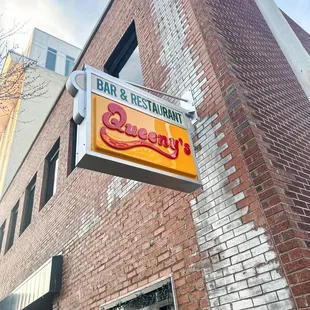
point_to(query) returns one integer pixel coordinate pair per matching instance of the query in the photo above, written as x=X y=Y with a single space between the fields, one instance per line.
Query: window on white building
x=51 y=59
x=69 y=65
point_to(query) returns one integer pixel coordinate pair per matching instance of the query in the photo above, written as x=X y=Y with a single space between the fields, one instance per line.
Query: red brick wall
x=271 y=116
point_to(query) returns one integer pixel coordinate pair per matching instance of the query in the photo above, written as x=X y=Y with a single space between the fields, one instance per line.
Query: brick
x=283 y=304
x=270 y=255
x=252 y=243
x=238 y=214
x=227 y=211
x=223 y=307
x=250 y=292
x=270 y=266
x=300 y=289
x=219 y=249
x=232 y=269
x=254 y=261
x=254 y=233
x=274 y=285
x=228 y=253
x=229 y=298
x=217 y=292
x=237 y=286
x=222 y=264
x=243 y=304
x=283 y=294
x=214 y=302
x=214 y=275
x=245 y=274
x=260 y=249
x=243 y=229
x=224 y=281
x=235 y=241
x=265 y=299
x=232 y=225
x=221 y=222
x=260 y=279
x=241 y=257
x=275 y=275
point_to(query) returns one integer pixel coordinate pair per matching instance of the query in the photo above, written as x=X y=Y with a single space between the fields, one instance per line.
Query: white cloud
x=71 y=21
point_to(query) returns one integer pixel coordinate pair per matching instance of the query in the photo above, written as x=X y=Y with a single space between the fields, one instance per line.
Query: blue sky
x=298 y=10
x=73 y=20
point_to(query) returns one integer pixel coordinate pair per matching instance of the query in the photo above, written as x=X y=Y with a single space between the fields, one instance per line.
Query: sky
x=73 y=20
x=298 y=10
x=69 y=20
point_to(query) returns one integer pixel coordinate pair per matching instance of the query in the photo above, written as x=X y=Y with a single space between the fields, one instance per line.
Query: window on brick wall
x=125 y=61
x=52 y=172
x=28 y=206
x=72 y=146
x=2 y=228
x=158 y=296
x=12 y=227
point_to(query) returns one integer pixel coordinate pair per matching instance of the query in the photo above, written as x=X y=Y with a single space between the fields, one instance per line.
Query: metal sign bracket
x=76 y=86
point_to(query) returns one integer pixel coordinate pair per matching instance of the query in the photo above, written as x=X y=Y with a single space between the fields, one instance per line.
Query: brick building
x=241 y=241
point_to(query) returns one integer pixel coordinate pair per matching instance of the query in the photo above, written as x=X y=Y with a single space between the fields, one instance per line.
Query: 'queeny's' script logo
x=146 y=139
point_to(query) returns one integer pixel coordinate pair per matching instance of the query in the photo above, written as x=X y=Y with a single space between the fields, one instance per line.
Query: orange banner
x=128 y=134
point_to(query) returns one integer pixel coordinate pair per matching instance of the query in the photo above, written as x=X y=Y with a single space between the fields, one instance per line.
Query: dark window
x=69 y=65
x=28 y=207
x=52 y=171
x=1 y=235
x=12 y=226
x=158 y=299
x=125 y=59
x=72 y=146
x=51 y=59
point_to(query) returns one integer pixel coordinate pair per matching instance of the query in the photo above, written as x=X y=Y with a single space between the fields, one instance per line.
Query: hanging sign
x=130 y=133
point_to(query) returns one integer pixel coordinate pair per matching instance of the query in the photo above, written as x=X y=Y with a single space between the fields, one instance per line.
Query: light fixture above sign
x=127 y=132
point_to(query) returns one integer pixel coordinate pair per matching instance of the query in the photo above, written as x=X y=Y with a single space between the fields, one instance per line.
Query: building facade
x=241 y=241
x=52 y=53
x=23 y=118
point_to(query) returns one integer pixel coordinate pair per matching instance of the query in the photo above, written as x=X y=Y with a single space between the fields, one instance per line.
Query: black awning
x=38 y=289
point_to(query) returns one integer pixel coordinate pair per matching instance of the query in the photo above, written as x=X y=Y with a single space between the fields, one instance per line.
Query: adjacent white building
x=52 y=53
x=19 y=128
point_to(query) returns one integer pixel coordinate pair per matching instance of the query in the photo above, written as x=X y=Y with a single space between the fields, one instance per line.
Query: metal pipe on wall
x=296 y=55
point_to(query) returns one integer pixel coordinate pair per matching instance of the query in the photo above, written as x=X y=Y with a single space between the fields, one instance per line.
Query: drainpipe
x=294 y=52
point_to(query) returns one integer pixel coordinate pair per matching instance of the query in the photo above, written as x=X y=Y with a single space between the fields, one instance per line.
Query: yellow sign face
x=126 y=133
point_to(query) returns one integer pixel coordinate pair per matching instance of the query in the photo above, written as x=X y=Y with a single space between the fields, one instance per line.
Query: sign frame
x=79 y=86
